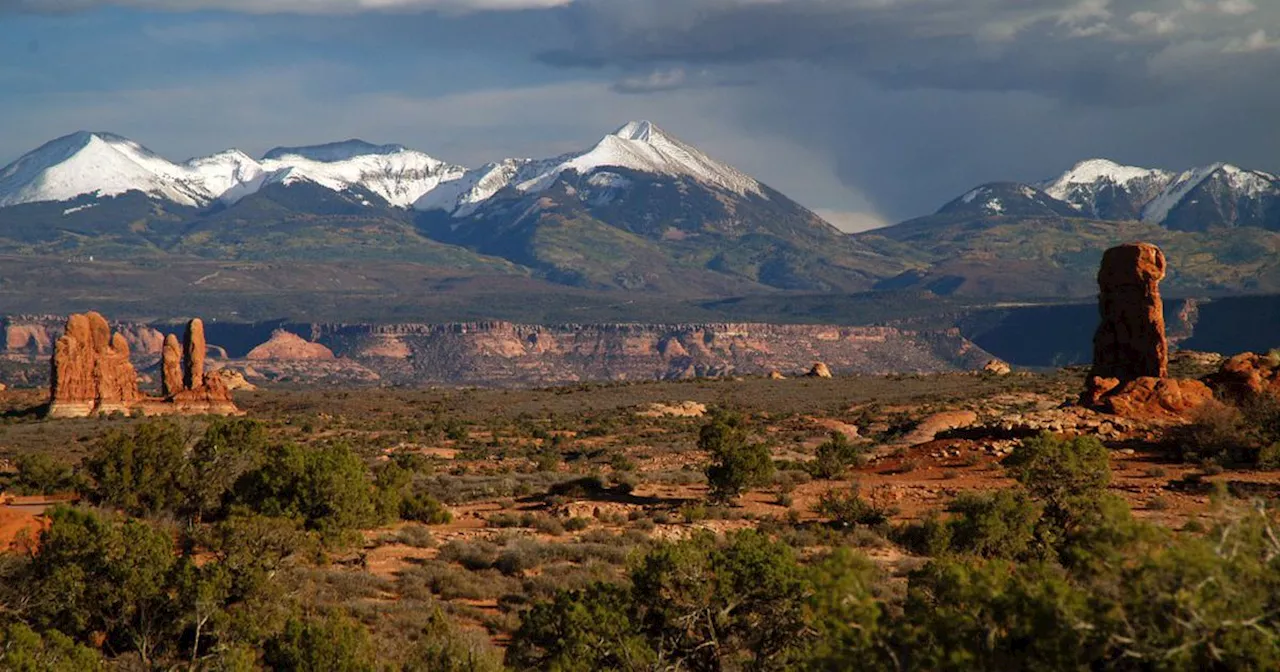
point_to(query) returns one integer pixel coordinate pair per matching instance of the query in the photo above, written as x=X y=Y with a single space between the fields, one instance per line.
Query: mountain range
x=640 y=211
x=1215 y=196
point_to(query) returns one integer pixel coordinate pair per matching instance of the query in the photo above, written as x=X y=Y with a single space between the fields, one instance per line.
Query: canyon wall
x=503 y=353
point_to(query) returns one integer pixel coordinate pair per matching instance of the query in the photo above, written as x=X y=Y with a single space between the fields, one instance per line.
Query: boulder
x=683 y=409
x=929 y=428
x=1247 y=375
x=997 y=367
x=819 y=370
x=1156 y=399
x=234 y=380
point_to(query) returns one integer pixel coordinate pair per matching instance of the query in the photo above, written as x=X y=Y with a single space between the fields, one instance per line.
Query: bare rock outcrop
x=997 y=367
x=92 y=374
x=1147 y=398
x=91 y=370
x=287 y=345
x=929 y=428
x=819 y=370
x=1130 y=374
x=1248 y=375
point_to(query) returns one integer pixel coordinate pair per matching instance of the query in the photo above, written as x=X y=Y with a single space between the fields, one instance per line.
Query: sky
x=867 y=111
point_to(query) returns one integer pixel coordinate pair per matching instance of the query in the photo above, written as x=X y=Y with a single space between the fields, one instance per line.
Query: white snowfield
x=103 y=164
x=1159 y=191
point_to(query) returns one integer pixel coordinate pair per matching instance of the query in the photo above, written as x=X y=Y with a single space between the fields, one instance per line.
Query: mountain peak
x=334 y=151
x=1092 y=170
x=637 y=130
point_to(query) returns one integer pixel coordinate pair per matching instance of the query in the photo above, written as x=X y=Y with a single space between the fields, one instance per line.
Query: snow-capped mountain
x=103 y=164
x=1195 y=200
x=96 y=163
x=638 y=146
x=400 y=175
x=1219 y=195
x=1007 y=199
x=1102 y=189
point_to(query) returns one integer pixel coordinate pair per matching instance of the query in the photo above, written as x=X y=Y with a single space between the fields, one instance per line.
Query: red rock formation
x=91 y=370
x=1130 y=342
x=1247 y=375
x=92 y=374
x=1130 y=375
x=171 y=379
x=819 y=370
x=286 y=345
x=193 y=353
x=1166 y=399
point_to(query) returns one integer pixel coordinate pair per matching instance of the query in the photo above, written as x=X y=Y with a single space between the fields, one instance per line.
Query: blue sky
x=867 y=110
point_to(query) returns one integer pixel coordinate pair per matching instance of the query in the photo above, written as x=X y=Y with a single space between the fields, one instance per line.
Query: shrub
x=424 y=508
x=736 y=463
x=847 y=508
x=143 y=473
x=24 y=650
x=416 y=536
x=834 y=456
x=332 y=644
x=40 y=474
x=999 y=524
x=327 y=487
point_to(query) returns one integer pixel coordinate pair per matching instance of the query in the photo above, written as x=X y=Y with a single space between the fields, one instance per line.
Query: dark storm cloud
x=918 y=100
x=280 y=6
x=1110 y=51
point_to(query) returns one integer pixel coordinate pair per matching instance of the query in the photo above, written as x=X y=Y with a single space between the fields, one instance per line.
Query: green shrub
x=847 y=508
x=41 y=474
x=331 y=644
x=1001 y=524
x=327 y=487
x=834 y=456
x=144 y=472
x=737 y=464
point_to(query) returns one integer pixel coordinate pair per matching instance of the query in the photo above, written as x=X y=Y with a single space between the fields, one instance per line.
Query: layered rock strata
x=91 y=374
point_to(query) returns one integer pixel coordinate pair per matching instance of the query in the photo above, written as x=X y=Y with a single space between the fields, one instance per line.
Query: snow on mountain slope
x=227 y=176
x=639 y=145
x=95 y=163
x=1103 y=189
x=400 y=175
x=103 y=164
x=1232 y=183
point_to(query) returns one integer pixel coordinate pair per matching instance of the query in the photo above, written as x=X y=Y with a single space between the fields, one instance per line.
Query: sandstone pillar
x=193 y=360
x=1130 y=341
x=171 y=378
